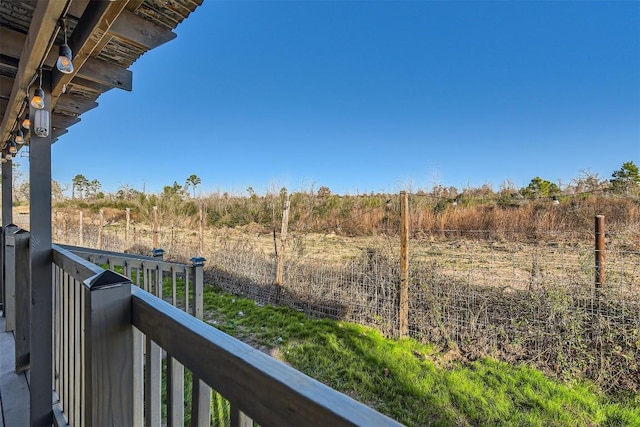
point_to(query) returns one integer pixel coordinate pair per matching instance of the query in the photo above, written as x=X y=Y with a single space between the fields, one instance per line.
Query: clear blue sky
x=365 y=96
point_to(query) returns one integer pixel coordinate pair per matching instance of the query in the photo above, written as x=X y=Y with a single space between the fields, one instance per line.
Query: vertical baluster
x=239 y=418
x=175 y=392
x=76 y=357
x=64 y=345
x=153 y=366
x=174 y=286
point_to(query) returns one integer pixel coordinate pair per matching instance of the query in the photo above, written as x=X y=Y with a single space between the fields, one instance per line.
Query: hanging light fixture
x=19 y=139
x=13 y=149
x=26 y=122
x=41 y=123
x=37 y=101
x=65 y=56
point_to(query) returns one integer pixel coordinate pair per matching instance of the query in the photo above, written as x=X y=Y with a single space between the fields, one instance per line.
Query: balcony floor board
x=14 y=389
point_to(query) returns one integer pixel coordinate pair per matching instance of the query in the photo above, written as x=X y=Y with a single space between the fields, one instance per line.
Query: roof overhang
x=106 y=37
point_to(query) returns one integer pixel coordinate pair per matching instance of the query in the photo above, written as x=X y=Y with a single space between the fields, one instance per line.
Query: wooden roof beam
x=141 y=32
x=93 y=69
x=57 y=133
x=97 y=18
x=87 y=85
x=61 y=121
x=43 y=25
x=6 y=85
x=106 y=74
x=74 y=104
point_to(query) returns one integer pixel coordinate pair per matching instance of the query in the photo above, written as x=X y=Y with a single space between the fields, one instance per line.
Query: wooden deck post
x=108 y=351
x=201 y=393
x=23 y=296
x=10 y=277
x=7 y=218
x=198 y=286
x=41 y=409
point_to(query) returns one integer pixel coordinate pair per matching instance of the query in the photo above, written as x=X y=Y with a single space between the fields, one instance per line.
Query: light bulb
x=37 y=101
x=13 y=149
x=19 y=139
x=26 y=123
x=64 y=63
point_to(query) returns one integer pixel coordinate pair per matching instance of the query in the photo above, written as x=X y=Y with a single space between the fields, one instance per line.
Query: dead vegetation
x=514 y=282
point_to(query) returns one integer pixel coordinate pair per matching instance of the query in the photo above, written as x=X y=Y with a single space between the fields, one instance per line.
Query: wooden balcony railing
x=117 y=343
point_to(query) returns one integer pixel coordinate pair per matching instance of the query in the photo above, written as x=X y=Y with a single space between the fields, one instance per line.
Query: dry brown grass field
x=515 y=283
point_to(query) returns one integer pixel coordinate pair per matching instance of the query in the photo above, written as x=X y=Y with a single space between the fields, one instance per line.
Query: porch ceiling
x=106 y=37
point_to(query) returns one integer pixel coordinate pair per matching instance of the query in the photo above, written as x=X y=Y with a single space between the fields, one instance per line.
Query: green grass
x=414 y=383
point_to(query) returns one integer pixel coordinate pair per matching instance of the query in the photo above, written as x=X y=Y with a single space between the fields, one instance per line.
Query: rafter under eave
x=42 y=29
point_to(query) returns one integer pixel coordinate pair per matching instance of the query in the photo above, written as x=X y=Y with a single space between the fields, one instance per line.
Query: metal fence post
x=108 y=351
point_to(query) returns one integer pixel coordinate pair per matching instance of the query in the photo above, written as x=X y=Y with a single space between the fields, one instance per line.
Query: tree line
x=319 y=210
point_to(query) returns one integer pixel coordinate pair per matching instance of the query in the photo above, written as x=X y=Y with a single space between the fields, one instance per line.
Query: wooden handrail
x=96 y=341
x=74 y=265
x=102 y=256
x=266 y=390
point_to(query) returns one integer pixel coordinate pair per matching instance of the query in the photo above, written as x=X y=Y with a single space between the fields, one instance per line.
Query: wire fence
x=473 y=293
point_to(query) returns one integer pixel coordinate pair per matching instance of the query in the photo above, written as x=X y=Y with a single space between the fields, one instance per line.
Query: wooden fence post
x=126 y=229
x=81 y=229
x=404 y=265
x=599 y=254
x=283 y=239
x=155 y=226
x=65 y=230
x=101 y=216
x=201 y=242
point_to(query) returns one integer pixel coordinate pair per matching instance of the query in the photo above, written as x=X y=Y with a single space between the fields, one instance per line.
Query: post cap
x=197 y=261
x=157 y=252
